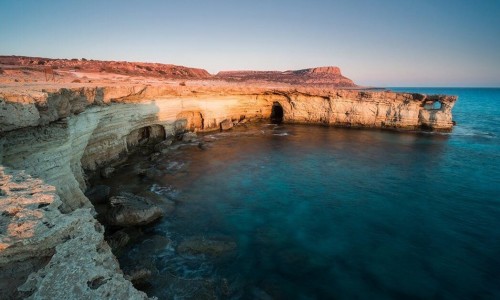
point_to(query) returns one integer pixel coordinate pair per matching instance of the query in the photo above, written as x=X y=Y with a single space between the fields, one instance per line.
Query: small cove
x=319 y=212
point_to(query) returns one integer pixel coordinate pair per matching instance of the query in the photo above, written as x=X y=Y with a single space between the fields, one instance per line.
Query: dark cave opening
x=277 y=113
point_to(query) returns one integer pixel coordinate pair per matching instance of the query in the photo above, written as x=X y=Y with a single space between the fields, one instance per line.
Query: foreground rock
x=130 y=210
x=79 y=263
x=200 y=245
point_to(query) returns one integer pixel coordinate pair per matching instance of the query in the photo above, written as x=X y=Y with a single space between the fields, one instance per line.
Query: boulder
x=130 y=210
x=200 y=245
x=98 y=194
x=226 y=124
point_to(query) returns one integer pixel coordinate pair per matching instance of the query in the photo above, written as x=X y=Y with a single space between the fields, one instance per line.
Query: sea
x=310 y=212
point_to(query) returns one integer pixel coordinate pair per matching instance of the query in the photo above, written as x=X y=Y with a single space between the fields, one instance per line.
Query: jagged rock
x=200 y=245
x=106 y=172
x=130 y=210
x=189 y=137
x=226 y=125
x=78 y=262
x=98 y=194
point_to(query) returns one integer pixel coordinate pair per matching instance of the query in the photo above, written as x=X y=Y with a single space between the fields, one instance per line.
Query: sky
x=375 y=43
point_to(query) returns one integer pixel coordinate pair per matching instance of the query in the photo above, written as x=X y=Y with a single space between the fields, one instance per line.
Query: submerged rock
x=139 y=277
x=189 y=137
x=202 y=146
x=153 y=173
x=155 y=156
x=167 y=205
x=163 y=145
x=200 y=245
x=130 y=210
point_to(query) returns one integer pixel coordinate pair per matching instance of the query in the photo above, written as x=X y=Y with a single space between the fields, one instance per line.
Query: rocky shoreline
x=52 y=138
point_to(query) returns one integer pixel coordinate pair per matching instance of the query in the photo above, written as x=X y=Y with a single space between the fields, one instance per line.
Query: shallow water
x=321 y=213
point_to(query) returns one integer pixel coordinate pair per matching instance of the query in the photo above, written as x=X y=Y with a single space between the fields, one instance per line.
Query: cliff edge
x=58 y=123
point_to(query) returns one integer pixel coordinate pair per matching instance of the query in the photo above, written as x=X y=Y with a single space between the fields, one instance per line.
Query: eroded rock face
x=116 y=118
x=79 y=264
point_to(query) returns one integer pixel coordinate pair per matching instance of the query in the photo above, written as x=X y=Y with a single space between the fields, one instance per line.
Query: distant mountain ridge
x=330 y=76
x=314 y=76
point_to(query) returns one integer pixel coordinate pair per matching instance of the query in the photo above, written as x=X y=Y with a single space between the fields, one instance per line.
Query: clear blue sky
x=381 y=43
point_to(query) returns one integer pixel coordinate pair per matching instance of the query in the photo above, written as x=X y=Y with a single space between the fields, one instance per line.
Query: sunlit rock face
x=55 y=255
x=85 y=128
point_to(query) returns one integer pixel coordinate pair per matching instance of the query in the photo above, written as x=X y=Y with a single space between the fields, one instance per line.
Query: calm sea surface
x=330 y=213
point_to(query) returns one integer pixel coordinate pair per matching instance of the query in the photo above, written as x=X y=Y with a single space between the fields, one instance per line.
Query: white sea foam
x=281 y=134
x=465 y=131
x=168 y=191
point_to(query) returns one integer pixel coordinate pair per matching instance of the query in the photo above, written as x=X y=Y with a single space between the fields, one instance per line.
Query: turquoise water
x=331 y=213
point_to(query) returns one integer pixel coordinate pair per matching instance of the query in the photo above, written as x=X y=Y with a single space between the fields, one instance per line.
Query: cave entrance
x=277 y=113
x=146 y=135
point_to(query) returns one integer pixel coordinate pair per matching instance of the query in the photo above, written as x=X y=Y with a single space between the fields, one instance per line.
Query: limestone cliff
x=68 y=253
x=55 y=133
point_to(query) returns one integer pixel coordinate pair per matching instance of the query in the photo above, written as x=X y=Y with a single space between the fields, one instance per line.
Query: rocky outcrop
x=322 y=76
x=132 y=210
x=77 y=262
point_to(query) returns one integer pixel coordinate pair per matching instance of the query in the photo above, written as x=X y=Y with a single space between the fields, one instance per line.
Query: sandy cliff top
x=34 y=73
